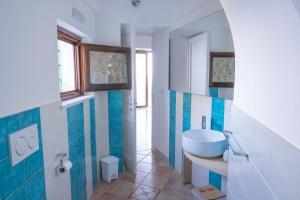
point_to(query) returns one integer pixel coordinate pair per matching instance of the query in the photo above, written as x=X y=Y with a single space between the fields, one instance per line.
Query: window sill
x=76 y=100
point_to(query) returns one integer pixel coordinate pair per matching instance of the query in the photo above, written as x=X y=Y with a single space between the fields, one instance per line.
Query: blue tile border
x=75 y=119
x=172 y=128
x=217 y=123
x=187 y=101
x=16 y=181
x=215 y=180
x=213 y=92
x=115 y=124
x=93 y=142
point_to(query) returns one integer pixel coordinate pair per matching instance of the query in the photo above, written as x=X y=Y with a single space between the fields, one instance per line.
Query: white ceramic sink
x=204 y=143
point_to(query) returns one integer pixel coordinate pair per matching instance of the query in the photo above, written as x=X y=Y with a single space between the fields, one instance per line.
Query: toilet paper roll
x=66 y=166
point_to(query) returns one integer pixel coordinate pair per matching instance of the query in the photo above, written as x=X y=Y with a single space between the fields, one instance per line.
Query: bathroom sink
x=204 y=143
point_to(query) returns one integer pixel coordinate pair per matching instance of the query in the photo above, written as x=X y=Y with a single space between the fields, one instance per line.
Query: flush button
x=31 y=142
x=21 y=146
x=23 y=143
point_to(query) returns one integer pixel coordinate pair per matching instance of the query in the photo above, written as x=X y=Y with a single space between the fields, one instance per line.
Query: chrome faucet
x=203 y=122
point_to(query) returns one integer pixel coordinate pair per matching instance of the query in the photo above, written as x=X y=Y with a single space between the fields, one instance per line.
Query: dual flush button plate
x=23 y=143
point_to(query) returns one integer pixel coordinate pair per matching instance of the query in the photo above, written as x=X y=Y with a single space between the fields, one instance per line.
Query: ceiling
x=217 y=20
x=150 y=15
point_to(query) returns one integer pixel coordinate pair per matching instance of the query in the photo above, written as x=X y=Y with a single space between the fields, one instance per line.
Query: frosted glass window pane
x=66 y=66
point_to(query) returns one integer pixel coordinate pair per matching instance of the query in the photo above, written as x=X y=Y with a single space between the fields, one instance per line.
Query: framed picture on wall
x=105 y=67
x=222 y=67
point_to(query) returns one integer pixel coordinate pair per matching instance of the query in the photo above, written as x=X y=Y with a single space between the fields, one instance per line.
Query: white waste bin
x=110 y=168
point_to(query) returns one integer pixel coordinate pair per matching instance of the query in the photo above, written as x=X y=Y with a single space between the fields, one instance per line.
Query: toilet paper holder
x=61 y=156
x=64 y=165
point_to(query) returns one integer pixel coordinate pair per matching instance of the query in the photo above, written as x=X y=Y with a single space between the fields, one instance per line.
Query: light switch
x=23 y=143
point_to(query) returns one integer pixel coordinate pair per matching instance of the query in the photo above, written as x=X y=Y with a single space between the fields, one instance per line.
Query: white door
x=198 y=63
x=129 y=103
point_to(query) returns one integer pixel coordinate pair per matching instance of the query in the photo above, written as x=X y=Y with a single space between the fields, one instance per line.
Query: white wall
x=160 y=108
x=179 y=70
x=29 y=74
x=143 y=42
x=205 y=9
x=108 y=31
x=267 y=63
x=221 y=41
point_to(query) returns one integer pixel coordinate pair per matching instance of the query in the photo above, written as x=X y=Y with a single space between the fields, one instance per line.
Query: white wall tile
x=234 y=188
x=272 y=171
x=55 y=140
x=200 y=106
x=261 y=153
x=227 y=114
x=224 y=184
x=200 y=175
x=178 y=139
x=102 y=137
x=285 y=170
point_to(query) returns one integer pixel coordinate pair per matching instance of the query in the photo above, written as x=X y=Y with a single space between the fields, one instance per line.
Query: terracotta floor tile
x=163 y=171
x=144 y=167
x=109 y=196
x=163 y=163
x=150 y=160
x=134 y=178
x=102 y=188
x=123 y=188
x=178 y=196
x=145 y=193
x=155 y=181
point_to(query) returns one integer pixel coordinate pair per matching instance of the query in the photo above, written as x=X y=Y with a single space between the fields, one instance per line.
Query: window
x=143 y=71
x=68 y=64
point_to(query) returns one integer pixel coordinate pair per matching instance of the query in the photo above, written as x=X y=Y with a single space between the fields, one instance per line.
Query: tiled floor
x=154 y=180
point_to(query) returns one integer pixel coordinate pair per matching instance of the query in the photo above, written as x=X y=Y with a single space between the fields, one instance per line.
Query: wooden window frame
x=138 y=51
x=71 y=38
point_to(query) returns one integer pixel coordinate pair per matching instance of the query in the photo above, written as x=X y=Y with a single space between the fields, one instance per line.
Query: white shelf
x=217 y=165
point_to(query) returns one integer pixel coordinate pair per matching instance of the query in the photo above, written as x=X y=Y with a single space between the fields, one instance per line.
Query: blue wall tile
x=19 y=194
x=172 y=128
x=215 y=180
x=93 y=142
x=187 y=101
x=217 y=123
x=75 y=118
x=36 y=186
x=218 y=106
x=33 y=163
x=11 y=177
x=14 y=180
x=29 y=117
x=213 y=92
x=8 y=125
x=115 y=124
x=118 y=152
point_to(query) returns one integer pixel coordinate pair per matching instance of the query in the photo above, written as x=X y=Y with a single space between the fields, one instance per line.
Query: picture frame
x=105 y=67
x=222 y=69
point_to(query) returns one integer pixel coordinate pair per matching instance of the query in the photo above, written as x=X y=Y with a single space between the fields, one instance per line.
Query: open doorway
x=144 y=103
